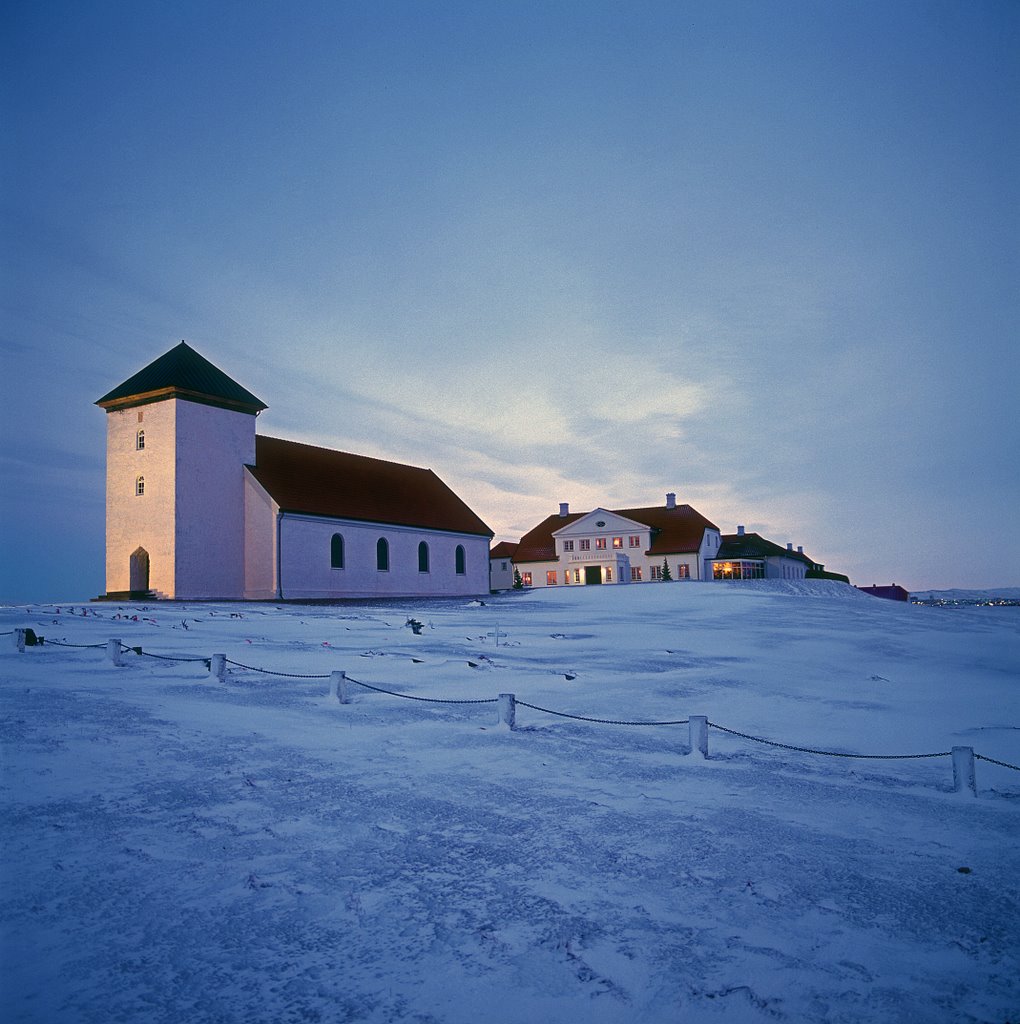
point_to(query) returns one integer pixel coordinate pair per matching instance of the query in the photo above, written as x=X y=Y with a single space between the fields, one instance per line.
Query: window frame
x=336 y=551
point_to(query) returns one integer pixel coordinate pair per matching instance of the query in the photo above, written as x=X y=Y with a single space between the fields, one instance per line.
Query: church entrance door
x=139 y=575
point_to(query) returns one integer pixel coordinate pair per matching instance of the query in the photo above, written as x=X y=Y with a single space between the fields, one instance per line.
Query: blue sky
x=764 y=255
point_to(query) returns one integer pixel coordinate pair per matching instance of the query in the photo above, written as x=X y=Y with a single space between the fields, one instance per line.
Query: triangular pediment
x=599 y=521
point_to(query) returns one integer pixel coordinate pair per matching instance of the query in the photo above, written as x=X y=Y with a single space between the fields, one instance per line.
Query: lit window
x=140 y=485
x=656 y=572
x=568 y=545
x=140 y=440
x=634 y=542
x=336 y=551
x=635 y=572
x=566 y=576
x=423 y=557
x=526 y=579
x=600 y=543
x=382 y=554
x=584 y=545
x=609 y=574
x=577 y=575
x=459 y=560
x=683 y=572
x=617 y=542
x=738 y=570
x=550 y=578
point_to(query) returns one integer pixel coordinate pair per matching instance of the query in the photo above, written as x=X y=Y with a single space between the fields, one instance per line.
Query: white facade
x=305 y=568
x=175 y=498
x=605 y=547
x=501 y=572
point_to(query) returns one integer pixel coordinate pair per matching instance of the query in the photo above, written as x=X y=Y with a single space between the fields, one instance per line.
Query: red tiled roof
x=674 y=530
x=182 y=373
x=504 y=549
x=323 y=482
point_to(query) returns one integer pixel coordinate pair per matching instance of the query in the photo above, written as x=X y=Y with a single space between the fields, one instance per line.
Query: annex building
x=199 y=506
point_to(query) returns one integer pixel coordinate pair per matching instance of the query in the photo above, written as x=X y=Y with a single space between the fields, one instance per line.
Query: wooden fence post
x=507 y=710
x=218 y=667
x=113 y=649
x=964 y=776
x=699 y=736
x=19 y=640
x=338 y=686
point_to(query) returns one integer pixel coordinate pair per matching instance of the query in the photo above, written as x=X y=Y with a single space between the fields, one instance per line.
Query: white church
x=199 y=506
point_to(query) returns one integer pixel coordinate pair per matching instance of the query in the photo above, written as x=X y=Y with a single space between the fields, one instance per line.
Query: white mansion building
x=198 y=506
x=637 y=545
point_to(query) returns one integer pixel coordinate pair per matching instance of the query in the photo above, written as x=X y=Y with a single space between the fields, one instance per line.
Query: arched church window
x=140 y=485
x=140 y=440
x=423 y=557
x=382 y=554
x=336 y=551
x=460 y=561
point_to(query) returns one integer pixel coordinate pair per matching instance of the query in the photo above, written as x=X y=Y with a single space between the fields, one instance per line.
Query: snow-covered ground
x=180 y=849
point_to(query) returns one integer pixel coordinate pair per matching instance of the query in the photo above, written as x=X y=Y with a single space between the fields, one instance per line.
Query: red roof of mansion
x=674 y=530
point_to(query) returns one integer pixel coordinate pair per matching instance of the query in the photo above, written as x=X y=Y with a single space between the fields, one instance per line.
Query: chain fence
x=40 y=641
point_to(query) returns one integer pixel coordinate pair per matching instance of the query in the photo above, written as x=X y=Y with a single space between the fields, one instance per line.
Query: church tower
x=179 y=434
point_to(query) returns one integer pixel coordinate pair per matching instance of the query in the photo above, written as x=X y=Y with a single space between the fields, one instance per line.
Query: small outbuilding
x=890 y=593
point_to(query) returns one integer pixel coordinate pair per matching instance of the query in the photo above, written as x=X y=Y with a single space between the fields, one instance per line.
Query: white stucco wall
x=621 y=560
x=306 y=571
x=213 y=446
x=259 y=541
x=190 y=519
x=501 y=573
x=147 y=520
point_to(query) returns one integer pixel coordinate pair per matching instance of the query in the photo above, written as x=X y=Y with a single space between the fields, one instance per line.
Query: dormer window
x=140 y=485
x=140 y=440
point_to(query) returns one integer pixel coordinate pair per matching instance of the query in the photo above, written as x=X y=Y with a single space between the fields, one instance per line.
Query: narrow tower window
x=140 y=485
x=140 y=440
x=336 y=552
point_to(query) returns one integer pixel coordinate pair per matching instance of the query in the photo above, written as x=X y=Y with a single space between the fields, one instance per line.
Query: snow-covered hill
x=181 y=849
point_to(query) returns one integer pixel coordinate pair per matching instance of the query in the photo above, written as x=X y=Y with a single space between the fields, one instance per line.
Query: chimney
x=740 y=531
x=800 y=549
x=789 y=546
x=564 y=509
x=671 y=500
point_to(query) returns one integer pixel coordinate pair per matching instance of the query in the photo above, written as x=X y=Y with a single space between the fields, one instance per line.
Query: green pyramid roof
x=182 y=373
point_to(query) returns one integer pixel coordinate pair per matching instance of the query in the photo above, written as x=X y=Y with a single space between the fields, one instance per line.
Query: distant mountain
x=993 y=593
